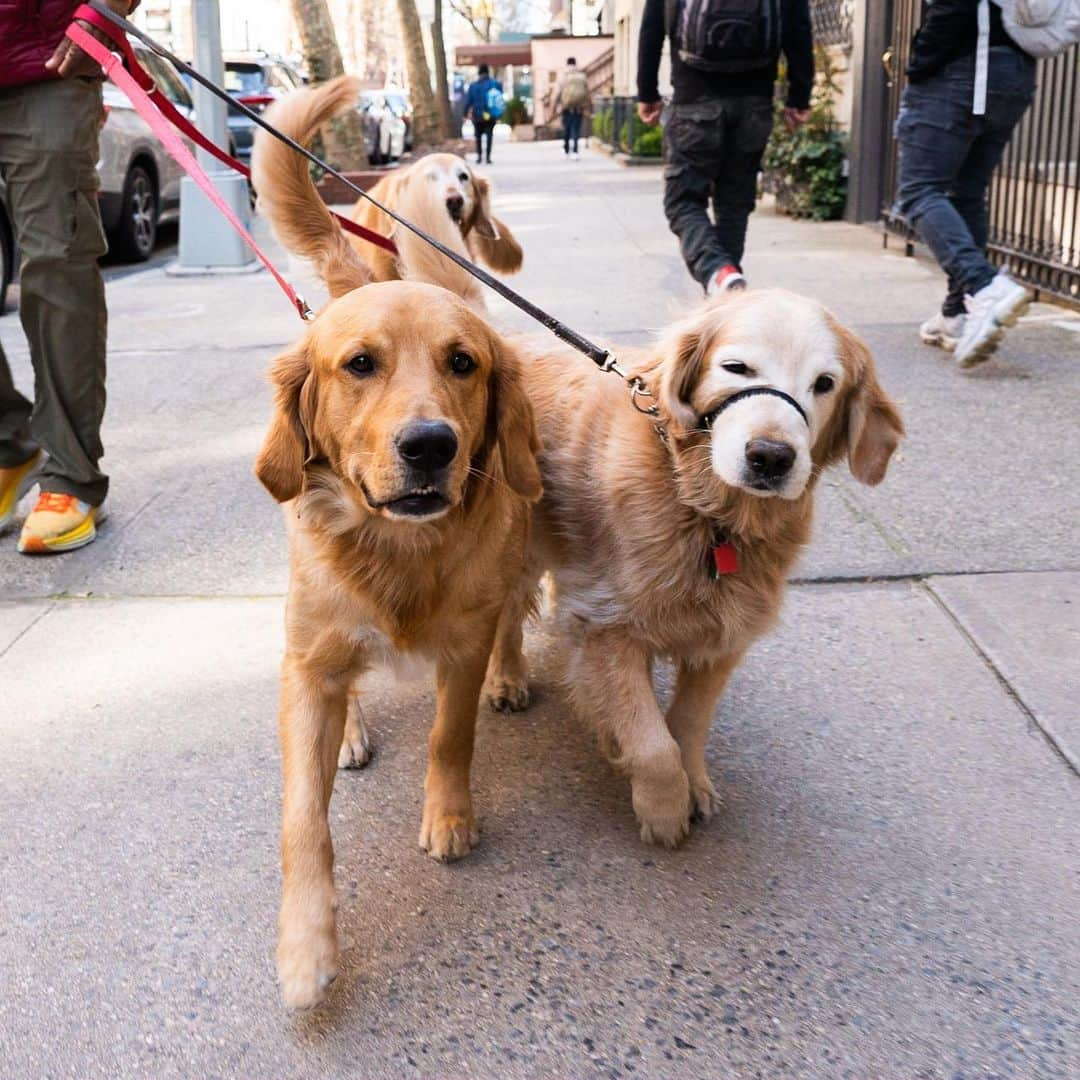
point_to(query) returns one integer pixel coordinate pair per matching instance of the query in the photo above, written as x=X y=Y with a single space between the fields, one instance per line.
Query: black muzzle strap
x=754 y=391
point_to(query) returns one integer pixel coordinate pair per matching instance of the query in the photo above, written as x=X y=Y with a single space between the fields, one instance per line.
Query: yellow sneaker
x=15 y=482
x=59 y=522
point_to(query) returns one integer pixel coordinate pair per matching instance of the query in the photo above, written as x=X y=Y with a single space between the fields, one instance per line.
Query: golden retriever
x=404 y=449
x=463 y=199
x=629 y=522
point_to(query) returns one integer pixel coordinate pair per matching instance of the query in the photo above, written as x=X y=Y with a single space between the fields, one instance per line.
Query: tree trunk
x=442 y=90
x=425 y=112
x=343 y=137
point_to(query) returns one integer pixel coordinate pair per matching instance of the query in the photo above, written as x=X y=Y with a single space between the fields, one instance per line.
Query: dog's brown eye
x=462 y=363
x=362 y=364
x=736 y=367
x=463 y=176
x=823 y=384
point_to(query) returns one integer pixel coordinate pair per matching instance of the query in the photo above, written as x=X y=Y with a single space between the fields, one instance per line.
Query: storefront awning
x=494 y=54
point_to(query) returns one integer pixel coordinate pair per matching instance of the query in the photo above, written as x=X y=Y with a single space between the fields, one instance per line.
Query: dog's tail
x=287 y=196
x=423 y=205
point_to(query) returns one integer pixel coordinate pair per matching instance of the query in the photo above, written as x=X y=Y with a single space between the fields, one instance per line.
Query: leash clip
x=304 y=308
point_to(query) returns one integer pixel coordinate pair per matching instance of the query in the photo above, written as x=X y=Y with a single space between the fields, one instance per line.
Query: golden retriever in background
x=404 y=448
x=440 y=192
x=628 y=523
x=443 y=195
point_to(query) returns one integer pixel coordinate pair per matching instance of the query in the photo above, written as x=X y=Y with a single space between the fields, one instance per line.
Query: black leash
x=604 y=359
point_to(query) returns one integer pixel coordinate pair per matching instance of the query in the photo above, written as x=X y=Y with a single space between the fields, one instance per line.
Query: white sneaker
x=993 y=308
x=944 y=331
x=577 y=156
x=726 y=279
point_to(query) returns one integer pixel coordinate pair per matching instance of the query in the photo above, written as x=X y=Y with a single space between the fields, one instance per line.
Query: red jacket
x=30 y=30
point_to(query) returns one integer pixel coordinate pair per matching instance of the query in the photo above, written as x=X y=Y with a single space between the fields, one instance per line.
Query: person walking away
x=572 y=99
x=724 y=59
x=50 y=115
x=969 y=83
x=484 y=102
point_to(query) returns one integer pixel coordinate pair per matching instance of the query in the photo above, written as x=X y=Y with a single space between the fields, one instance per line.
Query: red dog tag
x=725 y=559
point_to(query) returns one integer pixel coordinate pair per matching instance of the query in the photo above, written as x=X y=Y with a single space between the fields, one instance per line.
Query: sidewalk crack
x=1047 y=730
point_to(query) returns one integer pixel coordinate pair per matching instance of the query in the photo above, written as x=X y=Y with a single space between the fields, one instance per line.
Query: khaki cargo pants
x=48 y=160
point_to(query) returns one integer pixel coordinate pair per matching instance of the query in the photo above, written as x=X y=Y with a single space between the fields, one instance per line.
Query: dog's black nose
x=455 y=204
x=770 y=459
x=427 y=445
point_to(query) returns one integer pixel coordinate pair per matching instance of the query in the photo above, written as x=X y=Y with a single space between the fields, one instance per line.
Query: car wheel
x=136 y=233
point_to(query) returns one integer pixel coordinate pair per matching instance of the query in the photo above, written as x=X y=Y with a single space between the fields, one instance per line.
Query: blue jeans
x=571 y=128
x=948 y=155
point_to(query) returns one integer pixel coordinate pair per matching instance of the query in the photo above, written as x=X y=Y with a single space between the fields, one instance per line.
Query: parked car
x=384 y=130
x=140 y=182
x=7 y=249
x=399 y=102
x=255 y=80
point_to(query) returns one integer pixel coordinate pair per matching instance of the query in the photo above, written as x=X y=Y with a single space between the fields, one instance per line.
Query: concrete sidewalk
x=890 y=892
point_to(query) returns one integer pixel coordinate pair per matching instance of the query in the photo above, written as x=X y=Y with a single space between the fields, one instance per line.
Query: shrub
x=517 y=112
x=650 y=143
x=804 y=169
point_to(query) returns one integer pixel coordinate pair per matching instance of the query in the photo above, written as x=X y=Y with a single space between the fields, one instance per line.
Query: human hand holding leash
x=70 y=62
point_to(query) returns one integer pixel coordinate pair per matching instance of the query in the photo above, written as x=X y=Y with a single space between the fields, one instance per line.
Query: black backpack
x=725 y=35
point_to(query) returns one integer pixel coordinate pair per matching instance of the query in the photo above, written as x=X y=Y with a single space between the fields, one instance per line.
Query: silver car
x=140 y=182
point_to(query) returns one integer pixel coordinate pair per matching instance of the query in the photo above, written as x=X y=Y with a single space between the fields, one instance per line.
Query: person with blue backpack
x=484 y=104
x=724 y=60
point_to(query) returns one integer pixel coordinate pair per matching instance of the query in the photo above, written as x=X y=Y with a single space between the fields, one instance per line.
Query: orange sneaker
x=59 y=522
x=15 y=482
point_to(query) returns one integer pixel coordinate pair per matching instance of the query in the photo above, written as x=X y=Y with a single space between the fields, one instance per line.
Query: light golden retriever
x=463 y=198
x=628 y=523
x=404 y=449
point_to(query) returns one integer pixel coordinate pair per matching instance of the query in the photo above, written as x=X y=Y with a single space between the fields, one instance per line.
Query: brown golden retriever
x=628 y=522
x=405 y=450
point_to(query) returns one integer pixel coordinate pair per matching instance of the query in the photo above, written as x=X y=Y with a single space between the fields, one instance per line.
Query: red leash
x=158 y=111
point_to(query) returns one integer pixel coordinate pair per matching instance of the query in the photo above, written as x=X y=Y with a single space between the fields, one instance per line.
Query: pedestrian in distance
x=50 y=114
x=572 y=99
x=485 y=104
x=724 y=59
x=970 y=79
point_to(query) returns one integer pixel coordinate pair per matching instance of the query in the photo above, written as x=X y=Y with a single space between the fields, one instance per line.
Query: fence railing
x=1035 y=193
x=615 y=123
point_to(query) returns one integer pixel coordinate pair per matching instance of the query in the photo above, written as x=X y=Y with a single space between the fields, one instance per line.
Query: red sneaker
x=726 y=279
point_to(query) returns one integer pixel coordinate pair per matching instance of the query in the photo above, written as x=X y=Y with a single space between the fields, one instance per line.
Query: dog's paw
x=356 y=750
x=704 y=798
x=507 y=695
x=448 y=836
x=307 y=968
x=663 y=810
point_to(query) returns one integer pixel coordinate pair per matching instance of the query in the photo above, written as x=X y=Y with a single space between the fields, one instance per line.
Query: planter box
x=334 y=192
x=522 y=133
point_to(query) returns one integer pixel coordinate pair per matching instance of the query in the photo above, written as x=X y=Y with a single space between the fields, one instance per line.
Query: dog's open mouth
x=421 y=502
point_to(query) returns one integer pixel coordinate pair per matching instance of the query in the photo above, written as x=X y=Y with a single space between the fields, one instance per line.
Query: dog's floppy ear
x=288 y=446
x=680 y=370
x=489 y=238
x=512 y=426
x=874 y=427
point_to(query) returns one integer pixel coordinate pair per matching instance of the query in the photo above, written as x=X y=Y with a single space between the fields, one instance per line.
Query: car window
x=244 y=78
x=168 y=82
x=284 y=78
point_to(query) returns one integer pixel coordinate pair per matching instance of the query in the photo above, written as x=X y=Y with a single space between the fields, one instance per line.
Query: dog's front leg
x=448 y=830
x=311 y=724
x=611 y=681
x=689 y=716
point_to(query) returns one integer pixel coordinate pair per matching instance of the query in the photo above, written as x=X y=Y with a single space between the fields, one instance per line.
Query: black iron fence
x=615 y=123
x=1035 y=193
